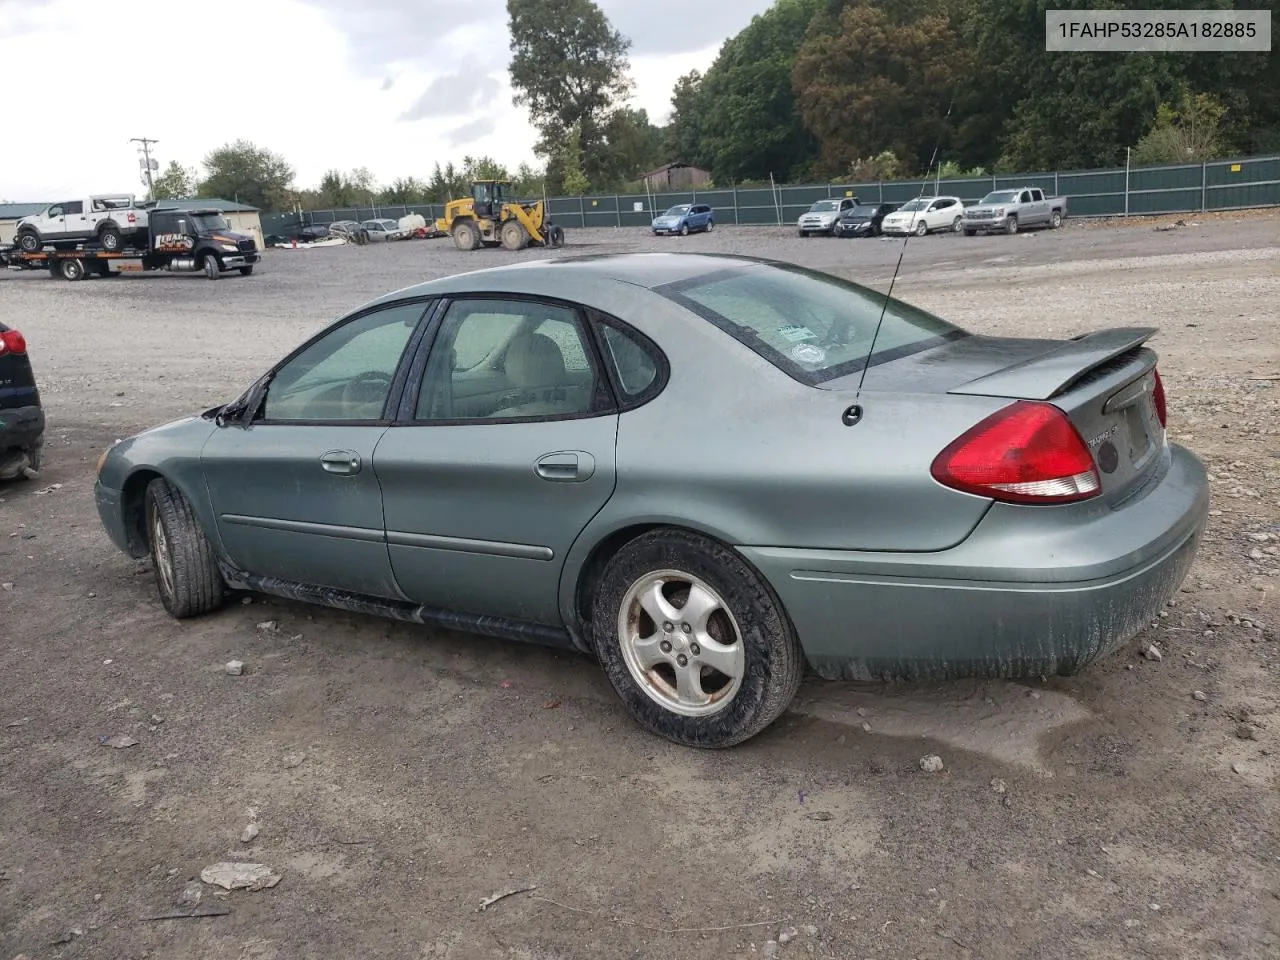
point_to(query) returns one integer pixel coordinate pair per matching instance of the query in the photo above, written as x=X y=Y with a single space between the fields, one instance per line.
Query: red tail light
x=11 y=341
x=1025 y=453
x=1157 y=397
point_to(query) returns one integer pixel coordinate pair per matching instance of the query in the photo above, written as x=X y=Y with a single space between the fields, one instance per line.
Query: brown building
x=676 y=176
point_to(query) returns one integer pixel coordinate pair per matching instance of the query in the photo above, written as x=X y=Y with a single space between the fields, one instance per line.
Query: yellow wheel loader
x=490 y=217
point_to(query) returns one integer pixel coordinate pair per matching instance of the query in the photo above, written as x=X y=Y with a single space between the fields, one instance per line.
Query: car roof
x=647 y=270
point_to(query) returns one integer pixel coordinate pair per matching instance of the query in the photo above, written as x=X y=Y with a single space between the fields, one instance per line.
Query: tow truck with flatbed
x=175 y=240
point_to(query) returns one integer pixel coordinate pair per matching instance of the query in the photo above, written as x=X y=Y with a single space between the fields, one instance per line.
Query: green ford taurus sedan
x=707 y=472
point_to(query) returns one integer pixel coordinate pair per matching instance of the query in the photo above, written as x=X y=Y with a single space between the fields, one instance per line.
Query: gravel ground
x=397 y=776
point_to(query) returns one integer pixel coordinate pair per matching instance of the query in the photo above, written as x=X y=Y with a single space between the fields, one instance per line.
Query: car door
x=52 y=224
x=1041 y=207
x=500 y=460
x=295 y=493
x=78 y=223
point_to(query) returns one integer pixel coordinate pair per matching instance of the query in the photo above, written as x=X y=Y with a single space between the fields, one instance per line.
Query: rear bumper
x=1032 y=591
x=21 y=427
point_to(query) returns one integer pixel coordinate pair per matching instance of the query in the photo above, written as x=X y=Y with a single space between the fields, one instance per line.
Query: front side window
x=55 y=211
x=812 y=326
x=497 y=359
x=347 y=373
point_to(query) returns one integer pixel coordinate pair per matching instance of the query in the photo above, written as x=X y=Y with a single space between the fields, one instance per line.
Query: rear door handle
x=566 y=466
x=343 y=462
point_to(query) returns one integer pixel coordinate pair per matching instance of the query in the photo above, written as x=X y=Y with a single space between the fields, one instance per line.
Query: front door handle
x=566 y=466
x=343 y=462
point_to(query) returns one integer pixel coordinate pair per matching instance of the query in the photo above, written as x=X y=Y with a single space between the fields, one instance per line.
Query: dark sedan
x=21 y=416
x=864 y=219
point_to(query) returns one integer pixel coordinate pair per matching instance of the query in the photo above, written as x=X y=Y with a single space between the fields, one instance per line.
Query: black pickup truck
x=175 y=240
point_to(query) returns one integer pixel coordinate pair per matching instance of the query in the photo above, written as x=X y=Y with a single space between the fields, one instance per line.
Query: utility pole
x=146 y=154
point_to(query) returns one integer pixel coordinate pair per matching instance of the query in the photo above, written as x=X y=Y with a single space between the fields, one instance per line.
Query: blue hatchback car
x=684 y=219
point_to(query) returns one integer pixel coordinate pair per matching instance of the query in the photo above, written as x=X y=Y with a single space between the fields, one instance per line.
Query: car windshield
x=863 y=210
x=919 y=203
x=678 y=210
x=1001 y=196
x=210 y=221
x=825 y=205
x=812 y=326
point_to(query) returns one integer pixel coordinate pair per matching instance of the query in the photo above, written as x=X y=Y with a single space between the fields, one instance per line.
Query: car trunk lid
x=1104 y=381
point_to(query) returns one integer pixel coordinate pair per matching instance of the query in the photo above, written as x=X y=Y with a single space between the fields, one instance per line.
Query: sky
x=392 y=86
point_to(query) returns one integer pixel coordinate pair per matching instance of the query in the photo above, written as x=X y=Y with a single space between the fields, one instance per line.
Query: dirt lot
x=396 y=778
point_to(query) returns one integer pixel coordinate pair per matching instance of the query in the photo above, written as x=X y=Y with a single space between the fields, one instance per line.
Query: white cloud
x=291 y=78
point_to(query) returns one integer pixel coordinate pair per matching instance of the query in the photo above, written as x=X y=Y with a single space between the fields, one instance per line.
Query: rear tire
x=212 y=270
x=110 y=239
x=186 y=567
x=466 y=235
x=1055 y=220
x=71 y=268
x=555 y=235
x=742 y=628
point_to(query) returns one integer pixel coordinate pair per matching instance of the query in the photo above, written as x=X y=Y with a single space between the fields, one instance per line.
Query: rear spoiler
x=1042 y=377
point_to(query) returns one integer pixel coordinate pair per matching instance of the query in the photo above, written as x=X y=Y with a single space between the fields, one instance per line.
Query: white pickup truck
x=107 y=218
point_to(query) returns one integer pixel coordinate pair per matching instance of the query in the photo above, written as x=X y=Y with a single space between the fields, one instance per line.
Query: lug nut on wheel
x=682 y=660
x=668 y=626
x=686 y=628
x=695 y=649
x=666 y=646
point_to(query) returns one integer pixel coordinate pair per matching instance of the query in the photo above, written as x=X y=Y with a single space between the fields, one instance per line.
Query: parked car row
x=1006 y=211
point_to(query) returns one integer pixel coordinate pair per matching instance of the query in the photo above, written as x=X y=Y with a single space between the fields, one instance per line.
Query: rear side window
x=637 y=365
x=75 y=206
x=812 y=326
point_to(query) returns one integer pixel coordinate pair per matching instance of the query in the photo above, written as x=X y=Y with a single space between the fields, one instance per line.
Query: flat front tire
x=186 y=568
x=693 y=640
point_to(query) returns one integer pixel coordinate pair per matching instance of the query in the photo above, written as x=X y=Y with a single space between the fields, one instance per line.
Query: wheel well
x=599 y=558
x=133 y=509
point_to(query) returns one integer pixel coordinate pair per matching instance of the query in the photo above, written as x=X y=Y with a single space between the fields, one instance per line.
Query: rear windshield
x=812 y=326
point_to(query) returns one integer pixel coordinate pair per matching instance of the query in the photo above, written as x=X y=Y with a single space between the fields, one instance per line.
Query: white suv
x=925 y=215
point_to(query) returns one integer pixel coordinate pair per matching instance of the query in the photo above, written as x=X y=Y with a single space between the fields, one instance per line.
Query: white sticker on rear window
x=797 y=334
x=808 y=353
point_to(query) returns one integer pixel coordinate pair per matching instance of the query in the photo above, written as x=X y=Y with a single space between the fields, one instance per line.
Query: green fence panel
x=1232 y=196
x=600 y=211
x=1242 y=171
x=1165 y=201
x=1166 y=178
x=1095 y=204
x=1045 y=181
x=1087 y=182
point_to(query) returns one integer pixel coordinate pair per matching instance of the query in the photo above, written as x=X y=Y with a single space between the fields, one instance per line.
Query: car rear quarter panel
x=738 y=450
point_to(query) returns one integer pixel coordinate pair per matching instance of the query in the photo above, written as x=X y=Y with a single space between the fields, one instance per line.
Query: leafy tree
x=569 y=67
x=176 y=182
x=866 y=82
x=246 y=173
x=1189 y=131
x=683 y=133
x=883 y=166
x=404 y=190
x=634 y=145
x=574 y=180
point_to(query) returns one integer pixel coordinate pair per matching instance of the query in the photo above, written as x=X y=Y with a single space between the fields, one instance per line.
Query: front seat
x=535 y=367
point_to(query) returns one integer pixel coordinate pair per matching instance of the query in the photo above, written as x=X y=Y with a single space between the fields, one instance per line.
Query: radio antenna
x=902 y=252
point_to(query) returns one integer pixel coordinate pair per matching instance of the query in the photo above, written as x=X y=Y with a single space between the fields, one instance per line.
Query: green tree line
x=822 y=89
x=839 y=88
